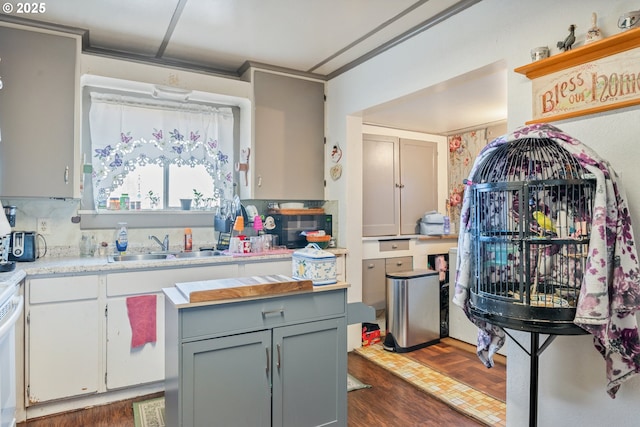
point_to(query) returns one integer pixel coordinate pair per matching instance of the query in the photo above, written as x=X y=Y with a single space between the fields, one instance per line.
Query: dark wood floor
x=389 y=402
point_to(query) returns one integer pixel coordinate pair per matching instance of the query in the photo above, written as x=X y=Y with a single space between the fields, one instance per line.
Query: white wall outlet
x=43 y=226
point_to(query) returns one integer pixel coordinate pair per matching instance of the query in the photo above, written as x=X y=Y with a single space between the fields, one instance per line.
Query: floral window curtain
x=463 y=150
x=127 y=132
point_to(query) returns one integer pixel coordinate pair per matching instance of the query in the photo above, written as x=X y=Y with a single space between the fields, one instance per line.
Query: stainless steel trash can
x=413 y=310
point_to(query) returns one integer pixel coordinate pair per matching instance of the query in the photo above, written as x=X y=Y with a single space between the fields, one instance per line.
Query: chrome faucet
x=164 y=243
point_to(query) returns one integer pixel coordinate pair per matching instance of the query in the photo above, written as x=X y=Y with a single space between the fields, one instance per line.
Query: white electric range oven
x=11 y=305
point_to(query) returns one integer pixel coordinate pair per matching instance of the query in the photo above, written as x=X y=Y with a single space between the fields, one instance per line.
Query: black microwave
x=289 y=228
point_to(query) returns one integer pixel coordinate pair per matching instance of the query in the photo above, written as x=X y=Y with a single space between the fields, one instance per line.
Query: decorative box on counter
x=312 y=263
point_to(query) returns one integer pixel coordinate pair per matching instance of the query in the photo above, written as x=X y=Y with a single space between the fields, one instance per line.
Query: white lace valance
x=127 y=132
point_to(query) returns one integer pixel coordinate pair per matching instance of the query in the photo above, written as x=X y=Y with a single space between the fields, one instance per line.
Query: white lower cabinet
x=63 y=334
x=78 y=333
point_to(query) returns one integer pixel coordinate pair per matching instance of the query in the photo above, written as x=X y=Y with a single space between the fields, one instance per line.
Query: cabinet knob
x=370 y=266
x=394 y=246
x=260 y=181
x=66 y=175
x=399 y=263
x=268 y=361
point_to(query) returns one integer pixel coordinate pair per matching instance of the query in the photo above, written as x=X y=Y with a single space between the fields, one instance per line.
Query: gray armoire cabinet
x=400 y=184
x=278 y=361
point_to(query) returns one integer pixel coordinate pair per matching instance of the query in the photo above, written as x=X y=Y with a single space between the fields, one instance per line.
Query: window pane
x=184 y=180
x=138 y=183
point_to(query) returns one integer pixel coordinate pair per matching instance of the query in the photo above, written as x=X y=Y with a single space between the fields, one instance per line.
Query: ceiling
x=321 y=38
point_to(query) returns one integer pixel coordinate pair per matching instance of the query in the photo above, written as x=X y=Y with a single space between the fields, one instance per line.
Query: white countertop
x=97 y=264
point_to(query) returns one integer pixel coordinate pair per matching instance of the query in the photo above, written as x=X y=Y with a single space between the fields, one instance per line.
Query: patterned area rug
x=355 y=384
x=459 y=396
x=149 y=413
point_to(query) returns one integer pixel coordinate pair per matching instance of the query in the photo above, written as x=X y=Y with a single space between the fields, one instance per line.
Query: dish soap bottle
x=188 y=240
x=122 y=237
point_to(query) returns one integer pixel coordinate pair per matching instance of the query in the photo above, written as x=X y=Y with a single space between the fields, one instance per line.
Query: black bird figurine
x=569 y=41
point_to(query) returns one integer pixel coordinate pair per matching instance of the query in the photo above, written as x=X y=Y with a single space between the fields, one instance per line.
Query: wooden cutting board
x=242 y=287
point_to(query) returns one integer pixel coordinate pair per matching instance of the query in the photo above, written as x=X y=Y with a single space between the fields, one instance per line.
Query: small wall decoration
x=593 y=34
x=335 y=172
x=243 y=164
x=336 y=153
x=629 y=20
x=568 y=42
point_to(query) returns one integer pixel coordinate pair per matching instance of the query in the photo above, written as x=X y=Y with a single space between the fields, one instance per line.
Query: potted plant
x=197 y=199
x=154 y=199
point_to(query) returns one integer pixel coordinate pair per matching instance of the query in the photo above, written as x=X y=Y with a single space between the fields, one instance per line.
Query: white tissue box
x=312 y=263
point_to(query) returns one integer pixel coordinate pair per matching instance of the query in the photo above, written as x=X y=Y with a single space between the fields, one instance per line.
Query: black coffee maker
x=6 y=222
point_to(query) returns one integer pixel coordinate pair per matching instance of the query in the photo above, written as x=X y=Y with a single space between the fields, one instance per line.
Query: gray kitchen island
x=278 y=359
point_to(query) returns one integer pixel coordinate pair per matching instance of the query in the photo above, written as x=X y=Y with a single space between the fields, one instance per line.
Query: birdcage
x=531 y=211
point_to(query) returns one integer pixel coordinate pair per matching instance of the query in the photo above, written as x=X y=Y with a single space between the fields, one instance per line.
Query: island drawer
x=236 y=317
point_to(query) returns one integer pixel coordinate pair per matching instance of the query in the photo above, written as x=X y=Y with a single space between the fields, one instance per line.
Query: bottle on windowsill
x=188 y=240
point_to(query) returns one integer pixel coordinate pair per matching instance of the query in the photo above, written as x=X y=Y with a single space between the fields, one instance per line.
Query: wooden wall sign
x=600 y=76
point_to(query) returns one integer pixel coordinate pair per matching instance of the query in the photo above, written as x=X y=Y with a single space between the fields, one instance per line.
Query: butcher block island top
x=241 y=288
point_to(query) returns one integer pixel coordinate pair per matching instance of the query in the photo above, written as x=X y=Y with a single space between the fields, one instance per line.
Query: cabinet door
x=310 y=357
x=419 y=182
x=373 y=283
x=128 y=366
x=226 y=381
x=380 y=186
x=289 y=138
x=64 y=335
x=63 y=350
x=37 y=114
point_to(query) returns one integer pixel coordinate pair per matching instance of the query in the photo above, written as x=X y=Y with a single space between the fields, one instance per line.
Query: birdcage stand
x=535 y=328
x=534 y=352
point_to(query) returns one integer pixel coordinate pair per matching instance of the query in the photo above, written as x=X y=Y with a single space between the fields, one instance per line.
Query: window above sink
x=149 y=150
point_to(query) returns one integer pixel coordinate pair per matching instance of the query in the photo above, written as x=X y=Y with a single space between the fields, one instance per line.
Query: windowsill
x=146 y=218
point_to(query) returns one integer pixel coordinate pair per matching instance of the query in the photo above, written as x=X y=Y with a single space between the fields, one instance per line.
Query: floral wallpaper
x=463 y=149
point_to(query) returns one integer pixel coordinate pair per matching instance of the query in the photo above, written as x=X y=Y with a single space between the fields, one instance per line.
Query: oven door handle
x=11 y=321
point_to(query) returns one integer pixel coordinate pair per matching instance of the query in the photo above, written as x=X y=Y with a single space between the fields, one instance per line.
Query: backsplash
x=64 y=236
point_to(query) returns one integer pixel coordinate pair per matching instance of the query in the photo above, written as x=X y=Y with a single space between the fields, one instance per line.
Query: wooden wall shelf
x=581 y=55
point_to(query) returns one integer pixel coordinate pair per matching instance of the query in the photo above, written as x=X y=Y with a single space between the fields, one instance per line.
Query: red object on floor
x=370 y=334
x=142 y=318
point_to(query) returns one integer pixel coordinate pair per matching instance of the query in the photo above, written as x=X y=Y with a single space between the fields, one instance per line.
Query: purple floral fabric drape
x=610 y=291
